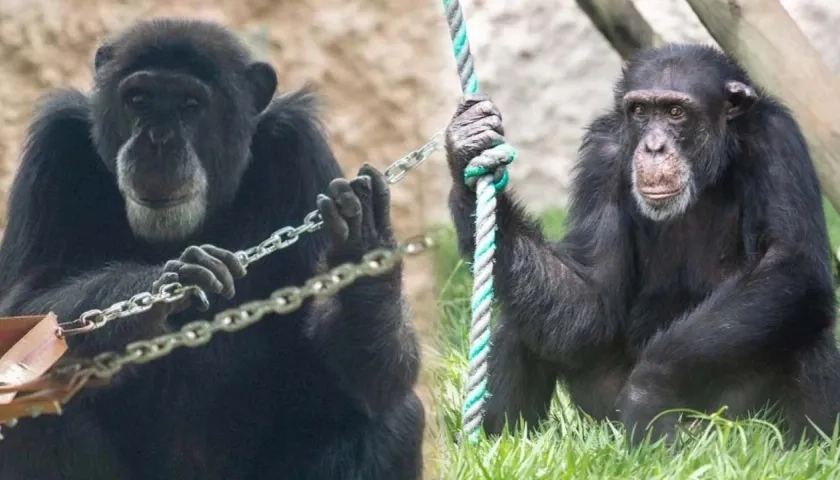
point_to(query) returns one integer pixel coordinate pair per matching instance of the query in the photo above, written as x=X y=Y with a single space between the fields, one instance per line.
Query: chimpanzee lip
x=659 y=194
x=164 y=202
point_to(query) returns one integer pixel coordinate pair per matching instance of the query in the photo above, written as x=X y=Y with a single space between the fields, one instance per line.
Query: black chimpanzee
x=696 y=269
x=182 y=143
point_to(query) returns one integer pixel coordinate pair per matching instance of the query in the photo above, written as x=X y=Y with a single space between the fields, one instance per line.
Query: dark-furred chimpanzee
x=695 y=272
x=180 y=143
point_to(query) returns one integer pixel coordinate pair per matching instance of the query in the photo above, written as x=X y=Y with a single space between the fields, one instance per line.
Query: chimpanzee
x=181 y=151
x=695 y=272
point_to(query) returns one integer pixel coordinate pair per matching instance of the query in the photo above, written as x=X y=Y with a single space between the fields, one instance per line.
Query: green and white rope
x=479 y=173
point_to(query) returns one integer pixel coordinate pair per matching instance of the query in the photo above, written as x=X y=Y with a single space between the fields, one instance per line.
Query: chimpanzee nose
x=655 y=142
x=160 y=135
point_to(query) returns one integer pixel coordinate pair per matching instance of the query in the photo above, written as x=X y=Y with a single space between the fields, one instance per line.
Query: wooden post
x=621 y=24
x=766 y=41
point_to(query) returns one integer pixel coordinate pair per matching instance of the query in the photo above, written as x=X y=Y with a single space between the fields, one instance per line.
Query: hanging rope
x=478 y=174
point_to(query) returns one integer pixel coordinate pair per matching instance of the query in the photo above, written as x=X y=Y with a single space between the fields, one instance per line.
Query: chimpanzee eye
x=638 y=109
x=676 y=111
x=138 y=100
x=189 y=103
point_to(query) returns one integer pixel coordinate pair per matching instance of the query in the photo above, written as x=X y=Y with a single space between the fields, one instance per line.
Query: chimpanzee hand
x=475 y=127
x=210 y=268
x=357 y=215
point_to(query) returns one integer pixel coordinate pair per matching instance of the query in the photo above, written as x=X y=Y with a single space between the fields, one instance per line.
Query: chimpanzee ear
x=104 y=54
x=262 y=82
x=739 y=99
x=625 y=65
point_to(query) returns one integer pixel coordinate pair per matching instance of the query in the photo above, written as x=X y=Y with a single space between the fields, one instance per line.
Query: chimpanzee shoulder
x=59 y=164
x=294 y=121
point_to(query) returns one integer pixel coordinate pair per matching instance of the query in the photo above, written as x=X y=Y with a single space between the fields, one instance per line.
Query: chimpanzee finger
x=487 y=107
x=461 y=141
x=231 y=261
x=362 y=188
x=165 y=278
x=381 y=196
x=348 y=205
x=468 y=101
x=491 y=123
x=172 y=266
x=199 y=257
x=203 y=278
x=203 y=302
x=478 y=111
x=334 y=221
x=482 y=141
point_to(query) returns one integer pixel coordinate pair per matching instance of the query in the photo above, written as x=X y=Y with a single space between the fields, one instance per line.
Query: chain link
x=139 y=303
x=102 y=367
x=401 y=167
x=279 y=240
x=282 y=301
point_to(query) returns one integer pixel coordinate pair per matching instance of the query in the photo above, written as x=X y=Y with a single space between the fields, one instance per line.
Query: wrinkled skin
x=476 y=127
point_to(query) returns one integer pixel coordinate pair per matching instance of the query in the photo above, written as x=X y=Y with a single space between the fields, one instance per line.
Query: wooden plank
x=621 y=24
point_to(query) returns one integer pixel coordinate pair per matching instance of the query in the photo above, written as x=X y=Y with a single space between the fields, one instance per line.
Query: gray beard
x=162 y=224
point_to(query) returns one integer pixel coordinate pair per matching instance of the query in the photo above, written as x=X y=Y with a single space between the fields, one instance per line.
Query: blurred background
x=387 y=76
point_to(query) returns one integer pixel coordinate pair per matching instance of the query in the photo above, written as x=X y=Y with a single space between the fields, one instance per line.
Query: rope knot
x=493 y=161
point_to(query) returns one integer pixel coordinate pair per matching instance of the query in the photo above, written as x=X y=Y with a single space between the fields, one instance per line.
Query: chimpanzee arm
x=97 y=289
x=61 y=227
x=749 y=322
x=369 y=342
x=365 y=332
x=521 y=385
x=564 y=298
x=786 y=302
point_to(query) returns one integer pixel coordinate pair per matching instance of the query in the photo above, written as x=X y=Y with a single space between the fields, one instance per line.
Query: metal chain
x=282 y=301
x=279 y=240
x=197 y=333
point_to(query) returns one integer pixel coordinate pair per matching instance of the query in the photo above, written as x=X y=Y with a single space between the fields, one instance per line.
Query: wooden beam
x=621 y=24
x=766 y=41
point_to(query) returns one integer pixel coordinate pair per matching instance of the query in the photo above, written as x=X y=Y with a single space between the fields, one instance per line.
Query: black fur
x=323 y=393
x=730 y=304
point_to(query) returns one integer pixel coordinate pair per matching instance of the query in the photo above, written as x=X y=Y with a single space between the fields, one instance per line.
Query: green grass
x=570 y=445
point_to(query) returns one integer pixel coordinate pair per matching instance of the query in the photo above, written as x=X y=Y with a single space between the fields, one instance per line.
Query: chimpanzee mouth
x=165 y=202
x=657 y=194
